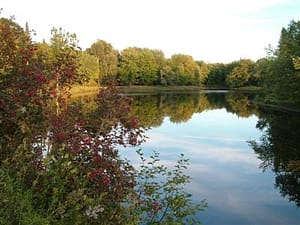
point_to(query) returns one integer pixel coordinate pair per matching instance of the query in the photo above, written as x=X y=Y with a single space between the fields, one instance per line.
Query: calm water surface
x=243 y=183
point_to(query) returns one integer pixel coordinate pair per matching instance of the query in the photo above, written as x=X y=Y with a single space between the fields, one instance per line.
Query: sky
x=208 y=30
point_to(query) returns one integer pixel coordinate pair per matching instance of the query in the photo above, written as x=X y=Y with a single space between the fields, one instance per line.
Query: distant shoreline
x=82 y=90
x=158 y=88
x=85 y=90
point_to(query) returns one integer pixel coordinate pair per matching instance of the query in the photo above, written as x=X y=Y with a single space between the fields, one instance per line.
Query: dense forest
x=278 y=72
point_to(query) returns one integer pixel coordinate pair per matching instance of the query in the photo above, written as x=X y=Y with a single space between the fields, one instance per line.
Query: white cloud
x=205 y=151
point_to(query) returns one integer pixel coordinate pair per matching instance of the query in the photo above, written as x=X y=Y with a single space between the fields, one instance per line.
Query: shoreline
x=158 y=89
x=137 y=89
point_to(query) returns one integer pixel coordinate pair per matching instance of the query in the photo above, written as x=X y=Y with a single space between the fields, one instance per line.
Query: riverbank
x=154 y=89
x=82 y=90
x=158 y=88
x=79 y=90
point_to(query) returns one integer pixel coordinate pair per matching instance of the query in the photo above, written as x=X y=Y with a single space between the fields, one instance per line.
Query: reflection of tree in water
x=183 y=109
x=151 y=109
x=279 y=150
x=239 y=103
x=147 y=110
x=216 y=100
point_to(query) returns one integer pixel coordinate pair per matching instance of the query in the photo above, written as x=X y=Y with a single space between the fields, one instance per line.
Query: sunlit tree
x=241 y=74
x=283 y=82
x=140 y=66
x=183 y=70
x=107 y=58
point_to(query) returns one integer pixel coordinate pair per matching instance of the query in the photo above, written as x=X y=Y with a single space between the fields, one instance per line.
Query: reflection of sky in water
x=223 y=168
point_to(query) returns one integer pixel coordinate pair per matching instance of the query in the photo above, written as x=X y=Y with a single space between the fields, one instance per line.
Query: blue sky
x=211 y=30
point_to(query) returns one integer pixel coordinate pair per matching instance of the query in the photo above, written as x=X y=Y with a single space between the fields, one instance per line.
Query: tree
x=147 y=63
x=160 y=62
x=282 y=85
x=140 y=66
x=261 y=70
x=218 y=74
x=129 y=68
x=204 y=71
x=241 y=74
x=89 y=67
x=64 y=63
x=15 y=48
x=22 y=85
x=183 y=70
x=107 y=58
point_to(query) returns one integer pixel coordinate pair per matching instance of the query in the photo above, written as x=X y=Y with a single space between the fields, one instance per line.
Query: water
x=243 y=183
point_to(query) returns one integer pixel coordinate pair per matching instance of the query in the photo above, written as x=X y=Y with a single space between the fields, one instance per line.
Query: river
x=244 y=159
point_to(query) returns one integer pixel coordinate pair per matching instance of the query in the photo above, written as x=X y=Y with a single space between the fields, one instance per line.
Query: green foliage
x=107 y=59
x=182 y=70
x=296 y=62
x=64 y=56
x=262 y=68
x=89 y=67
x=240 y=74
x=204 y=71
x=282 y=84
x=140 y=66
x=217 y=74
x=160 y=196
x=16 y=204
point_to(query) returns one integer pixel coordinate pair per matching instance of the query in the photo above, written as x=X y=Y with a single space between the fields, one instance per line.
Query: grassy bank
x=83 y=90
x=158 y=88
x=140 y=89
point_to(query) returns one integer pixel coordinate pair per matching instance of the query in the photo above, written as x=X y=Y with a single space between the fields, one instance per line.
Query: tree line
x=101 y=63
x=277 y=73
x=144 y=66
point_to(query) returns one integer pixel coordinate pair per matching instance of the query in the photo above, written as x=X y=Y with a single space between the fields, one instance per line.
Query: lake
x=244 y=159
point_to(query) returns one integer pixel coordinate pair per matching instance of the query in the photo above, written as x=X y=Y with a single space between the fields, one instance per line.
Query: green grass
x=83 y=90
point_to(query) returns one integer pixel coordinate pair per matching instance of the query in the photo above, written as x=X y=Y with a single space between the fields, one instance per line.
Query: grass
x=89 y=89
x=158 y=88
x=83 y=90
